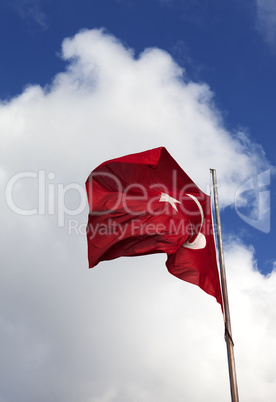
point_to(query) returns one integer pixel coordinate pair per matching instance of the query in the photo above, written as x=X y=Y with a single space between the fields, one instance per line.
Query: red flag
x=145 y=203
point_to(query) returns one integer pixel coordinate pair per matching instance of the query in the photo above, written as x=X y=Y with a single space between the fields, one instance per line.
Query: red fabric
x=145 y=203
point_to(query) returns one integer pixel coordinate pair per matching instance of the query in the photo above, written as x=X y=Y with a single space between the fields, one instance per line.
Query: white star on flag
x=167 y=198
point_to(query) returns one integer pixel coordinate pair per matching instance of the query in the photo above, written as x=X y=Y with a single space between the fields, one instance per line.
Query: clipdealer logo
x=252 y=199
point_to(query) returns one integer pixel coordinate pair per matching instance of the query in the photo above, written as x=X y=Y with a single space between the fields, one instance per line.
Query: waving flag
x=145 y=203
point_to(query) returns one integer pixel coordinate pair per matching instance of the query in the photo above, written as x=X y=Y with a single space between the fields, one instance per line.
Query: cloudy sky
x=89 y=80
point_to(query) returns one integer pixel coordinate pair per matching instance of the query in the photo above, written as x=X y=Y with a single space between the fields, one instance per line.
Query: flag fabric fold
x=145 y=203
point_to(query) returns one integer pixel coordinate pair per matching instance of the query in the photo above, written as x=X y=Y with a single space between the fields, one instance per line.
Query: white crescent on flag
x=200 y=240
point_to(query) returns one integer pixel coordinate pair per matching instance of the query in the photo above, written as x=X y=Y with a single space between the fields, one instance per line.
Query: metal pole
x=227 y=322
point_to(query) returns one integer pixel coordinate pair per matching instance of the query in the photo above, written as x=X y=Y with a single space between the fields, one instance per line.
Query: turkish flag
x=145 y=203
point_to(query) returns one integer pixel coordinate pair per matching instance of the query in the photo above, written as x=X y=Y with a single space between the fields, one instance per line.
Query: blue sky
x=89 y=80
x=218 y=43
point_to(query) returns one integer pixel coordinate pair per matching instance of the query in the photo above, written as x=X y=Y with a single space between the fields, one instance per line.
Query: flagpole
x=227 y=321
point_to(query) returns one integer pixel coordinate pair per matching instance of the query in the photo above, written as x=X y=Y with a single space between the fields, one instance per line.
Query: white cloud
x=266 y=14
x=252 y=301
x=126 y=330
